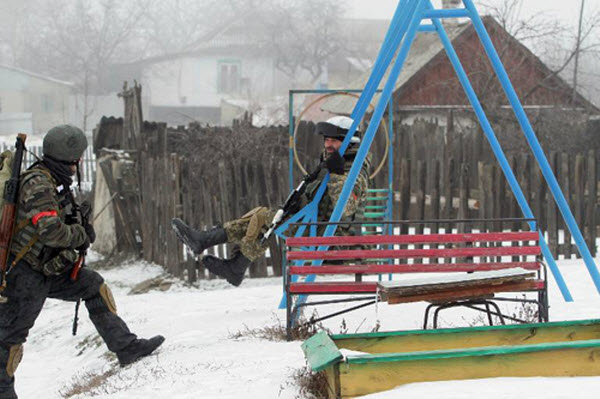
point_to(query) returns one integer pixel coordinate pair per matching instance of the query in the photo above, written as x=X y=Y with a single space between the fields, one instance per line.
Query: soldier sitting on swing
x=245 y=233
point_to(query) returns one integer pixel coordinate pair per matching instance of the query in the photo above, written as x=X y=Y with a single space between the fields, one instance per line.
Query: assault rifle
x=84 y=210
x=291 y=203
x=9 y=207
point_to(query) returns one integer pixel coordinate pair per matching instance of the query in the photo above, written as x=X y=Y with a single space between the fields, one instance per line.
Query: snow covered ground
x=204 y=355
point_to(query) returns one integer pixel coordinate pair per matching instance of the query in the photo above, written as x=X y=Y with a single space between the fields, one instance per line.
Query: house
x=231 y=72
x=31 y=103
x=428 y=88
x=226 y=67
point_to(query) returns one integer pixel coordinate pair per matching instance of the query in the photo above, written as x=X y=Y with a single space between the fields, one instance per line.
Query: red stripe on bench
x=413 y=253
x=332 y=287
x=412 y=268
x=413 y=239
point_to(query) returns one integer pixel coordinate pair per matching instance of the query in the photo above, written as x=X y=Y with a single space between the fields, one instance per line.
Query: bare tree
x=77 y=40
x=178 y=26
x=18 y=19
x=558 y=45
x=303 y=34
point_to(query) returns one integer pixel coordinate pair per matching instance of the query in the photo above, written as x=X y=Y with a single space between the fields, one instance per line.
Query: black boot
x=138 y=349
x=197 y=240
x=232 y=269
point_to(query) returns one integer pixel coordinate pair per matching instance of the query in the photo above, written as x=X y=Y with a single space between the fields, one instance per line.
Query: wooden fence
x=425 y=193
x=209 y=175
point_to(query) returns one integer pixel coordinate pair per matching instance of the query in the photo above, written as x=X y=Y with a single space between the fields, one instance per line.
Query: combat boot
x=232 y=269
x=139 y=349
x=197 y=240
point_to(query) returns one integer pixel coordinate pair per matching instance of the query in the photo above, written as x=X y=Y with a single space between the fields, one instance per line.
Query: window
x=47 y=103
x=229 y=77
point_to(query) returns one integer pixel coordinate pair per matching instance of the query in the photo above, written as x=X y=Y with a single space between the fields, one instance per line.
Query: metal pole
x=577 y=47
x=375 y=121
x=398 y=28
x=499 y=153
x=390 y=228
x=291 y=145
x=534 y=144
x=405 y=19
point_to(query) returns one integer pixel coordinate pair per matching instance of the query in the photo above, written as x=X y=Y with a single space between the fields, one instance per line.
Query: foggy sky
x=564 y=10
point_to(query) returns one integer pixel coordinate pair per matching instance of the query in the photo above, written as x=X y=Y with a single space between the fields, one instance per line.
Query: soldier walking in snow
x=246 y=232
x=46 y=246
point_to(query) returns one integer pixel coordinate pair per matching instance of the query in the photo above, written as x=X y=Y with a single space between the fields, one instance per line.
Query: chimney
x=446 y=4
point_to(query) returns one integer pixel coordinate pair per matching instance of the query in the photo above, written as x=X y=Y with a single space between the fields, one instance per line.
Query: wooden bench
x=476 y=267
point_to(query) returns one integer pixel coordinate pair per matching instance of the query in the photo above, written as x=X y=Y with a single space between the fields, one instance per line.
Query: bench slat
x=413 y=253
x=471 y=292
x=410 y=268
x=333 y=288
x=413 y=239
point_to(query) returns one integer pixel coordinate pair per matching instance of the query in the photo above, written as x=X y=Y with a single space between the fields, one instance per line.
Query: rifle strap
x=24 y=250
x=21 y=253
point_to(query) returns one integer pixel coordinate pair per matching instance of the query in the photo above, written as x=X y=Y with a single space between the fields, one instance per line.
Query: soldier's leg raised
x=198 y=240
x=245 y=233
x=90 y=287
x=19 y=307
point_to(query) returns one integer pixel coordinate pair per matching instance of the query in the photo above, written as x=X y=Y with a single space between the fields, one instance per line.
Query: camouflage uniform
x=43 y=272
x=245 y=231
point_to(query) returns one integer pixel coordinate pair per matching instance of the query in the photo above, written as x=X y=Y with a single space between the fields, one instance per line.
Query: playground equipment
x=406 y=23
x=396 y=358
x=391 y=359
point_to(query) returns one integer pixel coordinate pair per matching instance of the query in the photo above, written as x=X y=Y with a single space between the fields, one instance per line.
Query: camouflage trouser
x=246 y=231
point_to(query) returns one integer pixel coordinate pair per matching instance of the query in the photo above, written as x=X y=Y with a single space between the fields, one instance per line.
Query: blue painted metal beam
x=427 y=28
x=375 y=121
x=534 y=143
x=291 y=127
x=394 y=36
x=398 y=27
x=447 y=13
x=389 y=229
x=499 y=153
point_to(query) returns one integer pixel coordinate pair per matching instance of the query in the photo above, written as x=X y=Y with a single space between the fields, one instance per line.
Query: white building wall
x=194 y=81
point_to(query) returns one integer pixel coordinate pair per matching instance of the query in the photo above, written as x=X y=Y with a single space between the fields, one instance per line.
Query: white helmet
x=337 y=127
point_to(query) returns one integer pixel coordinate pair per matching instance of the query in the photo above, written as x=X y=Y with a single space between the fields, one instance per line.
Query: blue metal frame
x=407 y=21
x=404 y=25
x=292 y=123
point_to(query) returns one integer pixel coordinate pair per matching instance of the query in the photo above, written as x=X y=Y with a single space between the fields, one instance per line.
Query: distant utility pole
x=578 y=46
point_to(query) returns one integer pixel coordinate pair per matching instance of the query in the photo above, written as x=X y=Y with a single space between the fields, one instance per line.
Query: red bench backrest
x=484 y=257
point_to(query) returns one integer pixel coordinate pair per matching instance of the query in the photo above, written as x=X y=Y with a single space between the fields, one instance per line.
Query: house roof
x=36 y=75
x=423 y=50
x=234 y=35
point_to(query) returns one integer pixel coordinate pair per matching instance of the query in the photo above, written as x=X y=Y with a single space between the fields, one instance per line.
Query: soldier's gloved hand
x=91 y=233
x=83 y=247
x=335 y=163
x=86 y=209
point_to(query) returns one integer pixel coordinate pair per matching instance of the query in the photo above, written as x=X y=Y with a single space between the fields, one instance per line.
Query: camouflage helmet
x=65 y=143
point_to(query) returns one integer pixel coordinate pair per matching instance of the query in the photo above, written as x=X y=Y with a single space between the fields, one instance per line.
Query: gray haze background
x=91 y=46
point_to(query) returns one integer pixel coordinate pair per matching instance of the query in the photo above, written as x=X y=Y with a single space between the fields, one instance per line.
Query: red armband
x=40 y=215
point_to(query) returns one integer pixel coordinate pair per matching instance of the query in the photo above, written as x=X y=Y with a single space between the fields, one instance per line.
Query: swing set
x=411 y=18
